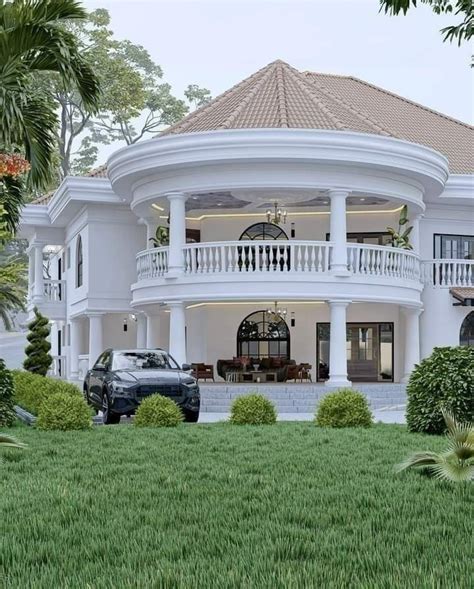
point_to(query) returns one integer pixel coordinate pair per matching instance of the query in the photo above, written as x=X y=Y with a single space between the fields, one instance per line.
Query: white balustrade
x=54 y=290
x=291 y=257
x=152 y=263
x=58 y=367
x=384 y=261
x=448 y=273
x=256 y=257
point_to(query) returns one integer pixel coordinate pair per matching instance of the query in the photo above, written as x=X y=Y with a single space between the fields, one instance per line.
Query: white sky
x=217 y=43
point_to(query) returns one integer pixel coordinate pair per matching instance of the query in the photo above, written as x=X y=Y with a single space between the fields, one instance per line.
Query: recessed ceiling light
x=362 y=199
x=219 y=204
x=195 y=197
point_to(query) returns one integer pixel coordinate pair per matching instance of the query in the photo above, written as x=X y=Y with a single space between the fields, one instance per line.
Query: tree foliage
x=34 y=41
x=134 y=102
x=464 y=8
x=7 y=412
x=38 y=359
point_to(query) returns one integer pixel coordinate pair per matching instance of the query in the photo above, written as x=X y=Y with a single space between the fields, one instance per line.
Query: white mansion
x=272 y=205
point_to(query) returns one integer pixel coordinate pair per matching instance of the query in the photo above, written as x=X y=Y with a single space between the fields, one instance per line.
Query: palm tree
x=13 y=282
x=34 y=39
x=10 y=442
x=457 y=463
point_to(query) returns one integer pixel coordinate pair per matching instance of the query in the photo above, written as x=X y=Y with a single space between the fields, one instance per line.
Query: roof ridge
x=198 y=113
x=281 y=93
x=394 y=94
x=359 y=113
x=250 y=94
x=301 y=82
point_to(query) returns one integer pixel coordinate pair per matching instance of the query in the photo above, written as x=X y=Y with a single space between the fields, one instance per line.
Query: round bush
x=7 y=412
x=31 y=390
x=344 y=408
x=158 y=411
x=64 y=412
x=444 y=380
x=253 y=409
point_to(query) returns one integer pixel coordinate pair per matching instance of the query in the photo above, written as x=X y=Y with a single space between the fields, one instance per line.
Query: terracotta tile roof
x=99 y=172
x=463 y=294
x=279 y=96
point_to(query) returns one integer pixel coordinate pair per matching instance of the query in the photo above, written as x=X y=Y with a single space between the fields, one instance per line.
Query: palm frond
x=10 y=442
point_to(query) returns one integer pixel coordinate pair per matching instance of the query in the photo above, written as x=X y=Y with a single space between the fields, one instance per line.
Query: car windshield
x=155 y=360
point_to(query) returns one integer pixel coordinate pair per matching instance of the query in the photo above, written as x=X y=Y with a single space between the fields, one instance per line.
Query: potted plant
x=401 y=237
x=161 y=237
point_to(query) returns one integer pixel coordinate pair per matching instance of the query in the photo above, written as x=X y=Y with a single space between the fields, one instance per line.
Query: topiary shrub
x=38 y=359
x=253 y=409
x=344 y=408
x=62 y=411
x=7 y=413
x=445 y=380
x=158 y=411
x=31 y=390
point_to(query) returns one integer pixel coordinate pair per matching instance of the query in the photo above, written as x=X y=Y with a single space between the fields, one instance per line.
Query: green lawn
x=284 y=506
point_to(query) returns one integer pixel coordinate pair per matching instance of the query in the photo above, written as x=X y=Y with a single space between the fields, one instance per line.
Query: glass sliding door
x=369 y=348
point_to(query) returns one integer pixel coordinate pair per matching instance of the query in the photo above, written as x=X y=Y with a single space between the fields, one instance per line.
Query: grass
x=220 y=506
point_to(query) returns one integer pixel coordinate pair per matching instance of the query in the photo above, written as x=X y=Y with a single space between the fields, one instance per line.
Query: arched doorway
x=267 y=231
x=263 y=336
x=466 y=335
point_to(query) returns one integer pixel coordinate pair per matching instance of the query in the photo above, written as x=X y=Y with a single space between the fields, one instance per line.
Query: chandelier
x=277 y=215
x=276 y=313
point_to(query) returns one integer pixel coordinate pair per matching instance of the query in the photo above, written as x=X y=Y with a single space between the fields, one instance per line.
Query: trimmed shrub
x=158 y=411
x=38 y=359
x=31 y=390
x=7 y=413
x=62 y=411
x=253 y=409
x=445 y=380
x=344 y=408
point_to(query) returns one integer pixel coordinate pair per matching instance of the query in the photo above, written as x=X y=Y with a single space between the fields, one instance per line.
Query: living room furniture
x=203 y=371
x=299 y=372
x=262 y=366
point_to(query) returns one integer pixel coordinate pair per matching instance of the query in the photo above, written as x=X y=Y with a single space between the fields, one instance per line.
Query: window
x=68 y=257
x=454 y=247
x=466 y=337
x=263 y=231
x=79 y=263
x=262 y=336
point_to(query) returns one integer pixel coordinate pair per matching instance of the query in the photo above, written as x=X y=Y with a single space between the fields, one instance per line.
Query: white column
x=31 y=271
x=153 y=330
x=178 y=332
x=141 y=330
x=338 y=345
x=96 y=346
x=338 y=232
x=414 y=237
x=74 y=349
x=177 y=238
x=412 y=339
x=38 y=289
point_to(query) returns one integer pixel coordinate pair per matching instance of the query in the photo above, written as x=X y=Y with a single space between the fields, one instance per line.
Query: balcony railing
x=54 y=290
x=289 y=257
x=448 y=273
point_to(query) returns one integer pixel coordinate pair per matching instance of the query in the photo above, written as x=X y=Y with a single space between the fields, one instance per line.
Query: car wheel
x=190 y=416
x=108 y=416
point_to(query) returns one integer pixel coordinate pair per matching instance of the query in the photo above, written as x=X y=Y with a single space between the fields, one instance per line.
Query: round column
x=141 y=330
x=178 y=332
x=74 y=349
x=38 y=288
x=96 y=346
x=338 y=232
x=412 y=339
x=177 y=238
x=337 y=345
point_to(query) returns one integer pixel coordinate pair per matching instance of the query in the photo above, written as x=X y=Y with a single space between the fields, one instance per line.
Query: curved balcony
x=219 y=270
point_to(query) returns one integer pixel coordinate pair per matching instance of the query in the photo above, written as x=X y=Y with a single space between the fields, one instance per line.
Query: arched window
x=262 y=336
x=263 y=231
x=466 y=336
x=79 y=263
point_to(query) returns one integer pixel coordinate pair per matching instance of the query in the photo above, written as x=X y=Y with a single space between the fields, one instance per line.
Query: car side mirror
x=186 y=367
x=99 y=368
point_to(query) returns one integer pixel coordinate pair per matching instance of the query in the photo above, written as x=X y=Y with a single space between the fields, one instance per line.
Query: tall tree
x=135 y=100
x=33 y=39
x=464 y=8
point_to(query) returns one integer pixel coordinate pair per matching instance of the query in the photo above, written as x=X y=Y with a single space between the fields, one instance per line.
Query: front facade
x=274 y=202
